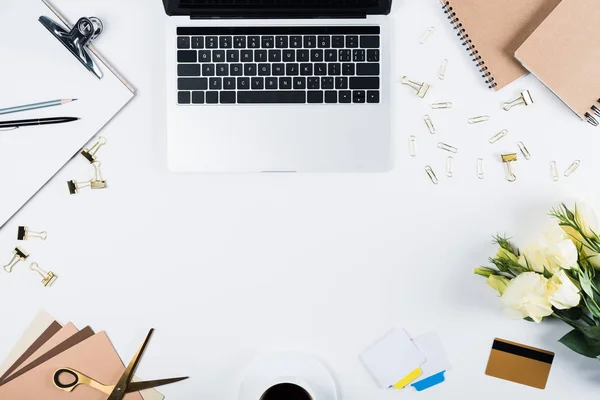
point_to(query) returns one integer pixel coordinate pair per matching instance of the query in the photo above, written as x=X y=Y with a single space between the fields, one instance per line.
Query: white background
x=228 y=267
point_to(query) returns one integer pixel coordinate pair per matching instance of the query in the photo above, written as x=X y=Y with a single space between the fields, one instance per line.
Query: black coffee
x=286 y=391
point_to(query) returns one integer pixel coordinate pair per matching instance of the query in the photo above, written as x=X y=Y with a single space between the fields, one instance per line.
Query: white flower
x=526 y=296
x=535 y=256
x=562 y=292
x=554 y=251
x=588 y=220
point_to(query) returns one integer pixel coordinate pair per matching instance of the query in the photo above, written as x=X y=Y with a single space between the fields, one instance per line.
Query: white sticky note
x=392 y=358
x=432 y=348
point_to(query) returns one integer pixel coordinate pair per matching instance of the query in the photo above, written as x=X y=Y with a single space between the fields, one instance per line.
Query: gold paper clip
x=498 y=136
x=450 y=167
x=524 y=150
x=420 y=87
x=437 y=106
x=18 y=255
x=480 y=168
x=429 y=124
x=477 y=120
x=48 y=278
x=90 y=154
x=508 y=159
x=524 y=99
x=425 y=37
x=572 y=168
x=447 y=147
x=24 y=233
x=443 y=68
x=76 y=186
x=412 y=146
x=554 y=168
x=431 y=175
x=98 y=182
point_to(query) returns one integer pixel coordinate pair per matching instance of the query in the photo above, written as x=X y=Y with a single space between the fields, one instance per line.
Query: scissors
x=123 y=386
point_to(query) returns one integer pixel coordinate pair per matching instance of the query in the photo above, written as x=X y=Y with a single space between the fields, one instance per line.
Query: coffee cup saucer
x=288 y=367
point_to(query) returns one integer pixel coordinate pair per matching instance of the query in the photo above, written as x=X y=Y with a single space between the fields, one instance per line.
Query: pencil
x=35 y=106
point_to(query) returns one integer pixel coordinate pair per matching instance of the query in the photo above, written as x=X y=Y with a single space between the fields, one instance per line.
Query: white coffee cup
x=292 y=385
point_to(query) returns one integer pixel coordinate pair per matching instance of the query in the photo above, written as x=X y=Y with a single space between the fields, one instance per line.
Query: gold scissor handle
x=78 y=379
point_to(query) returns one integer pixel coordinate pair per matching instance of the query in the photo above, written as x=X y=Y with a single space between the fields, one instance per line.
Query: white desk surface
x=230 y=267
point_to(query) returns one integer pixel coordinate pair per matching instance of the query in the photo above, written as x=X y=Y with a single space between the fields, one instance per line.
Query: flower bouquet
x=557 y=277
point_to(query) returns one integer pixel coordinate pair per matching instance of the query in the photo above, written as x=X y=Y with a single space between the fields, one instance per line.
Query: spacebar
x=269 y=97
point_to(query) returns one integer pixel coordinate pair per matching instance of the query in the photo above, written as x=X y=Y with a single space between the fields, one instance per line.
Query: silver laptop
x=278 y=86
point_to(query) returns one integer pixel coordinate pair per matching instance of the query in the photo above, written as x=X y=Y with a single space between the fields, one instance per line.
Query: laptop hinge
x=279 y=16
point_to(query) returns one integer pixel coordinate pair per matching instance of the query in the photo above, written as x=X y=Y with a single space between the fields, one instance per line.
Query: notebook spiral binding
x=468 y=43
x=596 y=110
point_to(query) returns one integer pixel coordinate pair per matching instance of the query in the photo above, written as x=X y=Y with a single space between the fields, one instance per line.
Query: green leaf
x=591 y=332
x=579 y=343
x=572 y=314
x=592 y=306
x=586 y=284
x=547 y=274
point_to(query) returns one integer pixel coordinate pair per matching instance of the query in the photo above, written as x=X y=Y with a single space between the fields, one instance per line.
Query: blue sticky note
x=429 y=382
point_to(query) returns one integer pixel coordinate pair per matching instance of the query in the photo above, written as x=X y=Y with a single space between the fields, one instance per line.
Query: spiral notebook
x=570 y=34
x=492 y=30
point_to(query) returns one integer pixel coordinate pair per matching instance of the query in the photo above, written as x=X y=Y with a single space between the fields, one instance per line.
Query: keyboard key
x=212 y=42
x=291 y=69
x=218 y=55
x=225 y=42
x=215 y=84
x=247 y=56
x=236 y=70
x=198 y=43
x=369 y=42
x=198 y=97
x=302 y=55
x=310 y=42
x=352 y=42
x=281 y=42
x=212 y=97
x=208 y=69
x=289 y=55
x=257 y=83
x=188 y=70
x=345 y=55
x=260 y=55
x=296 y=42
x=227 y=97
x=270 y=97
x=358 y=96
x=254 y=42
x=345 y=96
x=239 y=42
x=233 y=56
x=243 y=83
x=348 y=69
x=358 y=55
x=324 y=42
x=183 y=97
x=320 y=69
x=330 y=55
x=264 y=69
x=372 y=55
x=306 y=69
x=312 y=83
x=327 y=82
x=278 y=69
x=330 y=96
x=316 y=55
x=285 y=83
x=268 y=42
x=314 y=96
x=372 y=96
x=299 y=82
x=337 y=42
x=334 y=69
x=364 y=83
x=271 y=83
x=192 y=83
x=204 y=56
x=367 y=69
x=341 y=83
x=183 y=42
x=274 y=55
x=250 y=69
x=229 y=83
x=222 y=69
x=187 y=56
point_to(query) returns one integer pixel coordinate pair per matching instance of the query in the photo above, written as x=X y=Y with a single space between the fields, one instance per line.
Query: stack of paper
x=397 y=361
x=47 y=346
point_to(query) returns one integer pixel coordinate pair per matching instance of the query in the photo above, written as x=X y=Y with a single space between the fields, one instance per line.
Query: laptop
x=278 y=86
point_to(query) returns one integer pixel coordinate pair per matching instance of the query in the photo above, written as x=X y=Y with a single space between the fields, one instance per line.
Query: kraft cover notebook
x=492 y=30
x=570 y=34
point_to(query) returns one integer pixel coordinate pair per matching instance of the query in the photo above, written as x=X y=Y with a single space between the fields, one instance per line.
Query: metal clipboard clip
x=84 y=32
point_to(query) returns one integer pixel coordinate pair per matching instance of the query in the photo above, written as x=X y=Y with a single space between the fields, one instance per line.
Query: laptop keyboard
x=271 y=65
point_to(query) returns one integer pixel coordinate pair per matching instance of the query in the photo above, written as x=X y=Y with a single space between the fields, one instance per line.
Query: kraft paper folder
x=564 y=53
x=492 y=30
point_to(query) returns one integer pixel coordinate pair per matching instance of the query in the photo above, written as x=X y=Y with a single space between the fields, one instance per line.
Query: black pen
x=35 y=122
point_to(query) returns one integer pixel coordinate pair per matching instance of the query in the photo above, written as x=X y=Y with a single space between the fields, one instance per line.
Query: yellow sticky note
x=408 y=379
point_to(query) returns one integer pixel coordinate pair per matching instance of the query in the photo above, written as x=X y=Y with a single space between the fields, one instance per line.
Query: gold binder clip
x=524 y=99
x=508 y=159
x=18 y=255
x=48 y=278
x=98 y=182
x=90 y=154
x=420 y=87
x=24 y=233
x=76 y=186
